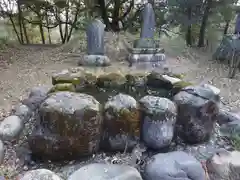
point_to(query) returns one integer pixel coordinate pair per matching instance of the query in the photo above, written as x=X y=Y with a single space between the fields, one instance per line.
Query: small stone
x=10 y=128
x=1 y=152
x=172 y=166
x=213 y=88
x=22 y=111
x=40 y=174
x=99 y=171
x=36 y=97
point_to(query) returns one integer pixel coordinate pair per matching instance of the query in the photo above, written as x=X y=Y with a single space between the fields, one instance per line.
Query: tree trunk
x=115 y=17
x=48 y=29
x=189 y=29
x=42 y=32
x=66 y=24
x=104 y=14
x=204 y=24
x=226 y=28
x=15 y=29
x=61 y=33
x=25 y=32
x=20 y=21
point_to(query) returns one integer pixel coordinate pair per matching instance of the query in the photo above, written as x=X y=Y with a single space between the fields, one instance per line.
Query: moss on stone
x=123 y=120
x=62 y=87
x=112 y=80
x=180 y=85
x=68 y=77
x=179 y=76
x=136 y=79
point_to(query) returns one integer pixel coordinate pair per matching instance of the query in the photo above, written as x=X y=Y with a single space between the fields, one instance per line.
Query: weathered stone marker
x=95 y=45
x=149 y=23
x=146 y=51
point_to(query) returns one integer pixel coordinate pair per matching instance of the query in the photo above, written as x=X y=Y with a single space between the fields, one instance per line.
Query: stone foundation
x=94 y=60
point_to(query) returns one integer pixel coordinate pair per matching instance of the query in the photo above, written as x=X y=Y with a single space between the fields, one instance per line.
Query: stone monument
x=95 y=45
x=146 y=50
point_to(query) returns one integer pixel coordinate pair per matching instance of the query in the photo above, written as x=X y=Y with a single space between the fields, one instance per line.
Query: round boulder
x=121 y=123
x=70 y=126
x=197 y=114
x=158 y=121
x=224 y=165
x=43 y=174
x=172 y=166
x=99 y=171
x=10 y=128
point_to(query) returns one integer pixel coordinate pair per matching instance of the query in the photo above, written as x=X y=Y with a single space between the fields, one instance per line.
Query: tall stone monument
x=95 y=45
x=146 y=50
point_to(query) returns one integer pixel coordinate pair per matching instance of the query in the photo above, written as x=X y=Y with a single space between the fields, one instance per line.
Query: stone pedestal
x=94 y=60
x=147 y=54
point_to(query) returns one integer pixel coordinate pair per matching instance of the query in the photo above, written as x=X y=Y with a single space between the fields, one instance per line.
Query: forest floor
x=24 y=67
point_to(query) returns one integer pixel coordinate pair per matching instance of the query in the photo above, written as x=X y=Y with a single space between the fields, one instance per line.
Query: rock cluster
x=73 y=122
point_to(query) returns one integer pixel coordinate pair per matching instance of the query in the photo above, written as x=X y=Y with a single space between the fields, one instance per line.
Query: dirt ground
x=27 y=66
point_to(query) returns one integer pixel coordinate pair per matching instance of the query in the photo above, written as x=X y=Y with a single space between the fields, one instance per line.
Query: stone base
x=147 y=50
x=133 y=58
x=159 y=66
x=94 y=60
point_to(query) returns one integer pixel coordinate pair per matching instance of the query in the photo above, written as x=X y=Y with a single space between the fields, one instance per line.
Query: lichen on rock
x=121 y=122
x=158 y=121
x=63 y=87
x=70 y=126
x=111 y=80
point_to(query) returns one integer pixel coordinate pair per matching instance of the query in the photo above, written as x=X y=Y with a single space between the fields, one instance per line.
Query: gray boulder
x=36 y=97
x=22 y=111
x=159 y=117
x=40 y=174
x=1 y=152
x=106 y=172
x=231 y=128
x=198 y=109
x=121 y=123
x=225 y=116
x=224 y=165
x=10 y=128
x=69 y=127
x=174 y=165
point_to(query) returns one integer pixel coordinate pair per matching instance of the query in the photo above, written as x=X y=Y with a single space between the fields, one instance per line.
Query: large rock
x=158 y=121
x=40 y=174
x=121 y=123
x=172 y=166
x=106 y=172
x=1 y=152
x=224 y=165
x=198 y=108
x=70 y=126
x=36 y=97
x=10 y=128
